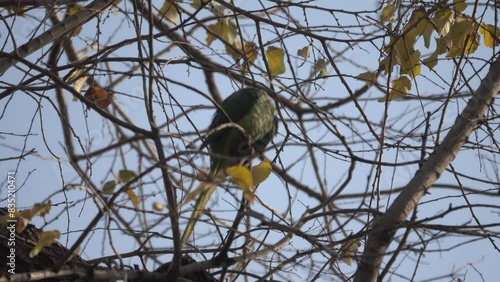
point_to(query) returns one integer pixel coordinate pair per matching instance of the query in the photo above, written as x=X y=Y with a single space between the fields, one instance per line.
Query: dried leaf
x=304 y=52
x=99 y=96
x=348 y=250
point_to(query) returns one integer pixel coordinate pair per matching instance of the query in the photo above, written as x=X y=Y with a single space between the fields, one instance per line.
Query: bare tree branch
x=385 y=226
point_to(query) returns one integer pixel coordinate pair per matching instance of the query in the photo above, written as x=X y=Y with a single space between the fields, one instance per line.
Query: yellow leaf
x=462 y=34
x=418 y=25
x=412 y=65
x=19 y=10
x=45 y=239
x=441 y=47
x=459 y=5
x=348 y=250
x=133 y=198
x=40 y=209
x=491 y=35
x=261 y=172
x=235 y=50
x=169 y=11
x=320 y=68
x=224 y=29
x=249 y=53
x=243 y=178
x=125 y=176
x=368 y=77
x=275 y=59
x=471 y=45
x=388 y=12
x=197 y=3
x=22 y=223
x=384 y=65
x=109 y=187
x=400 y=88
x=72 y=9
x=442 y=20
x=218 y=10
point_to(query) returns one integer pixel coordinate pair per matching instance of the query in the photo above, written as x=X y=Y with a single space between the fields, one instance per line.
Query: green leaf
x=400 y=88
x=125 y=176
x=109 y=187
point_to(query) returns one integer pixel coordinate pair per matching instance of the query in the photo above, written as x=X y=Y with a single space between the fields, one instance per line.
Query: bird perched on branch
x=241 y=128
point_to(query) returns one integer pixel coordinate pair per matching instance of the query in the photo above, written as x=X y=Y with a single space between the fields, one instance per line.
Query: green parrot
x=253 y=110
